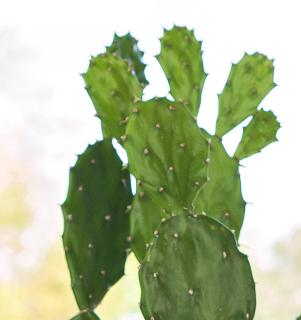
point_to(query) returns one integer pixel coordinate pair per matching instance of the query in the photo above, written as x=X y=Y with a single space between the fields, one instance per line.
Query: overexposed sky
x=46 y=117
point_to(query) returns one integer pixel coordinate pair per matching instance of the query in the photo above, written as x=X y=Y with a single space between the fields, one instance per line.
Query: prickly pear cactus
x=96 y=223
x=184 y=221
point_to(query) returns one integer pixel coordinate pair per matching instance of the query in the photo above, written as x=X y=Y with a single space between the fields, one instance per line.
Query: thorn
x=136 y=99
x=123 y=138
x=182 y=145
x=190 y=292
x=107 y=217
x=146 y=151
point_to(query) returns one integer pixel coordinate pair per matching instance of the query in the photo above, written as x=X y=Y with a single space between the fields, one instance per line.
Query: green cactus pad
x=145 y=217
x=221 y=198
x=167 y=153
x=113 y=90
x=86 y=315
x=250 y=80
x=181 y=60
x=194 y=271
x=126 y=47
x=259 y=133
x=96 y=225
x=299 y=318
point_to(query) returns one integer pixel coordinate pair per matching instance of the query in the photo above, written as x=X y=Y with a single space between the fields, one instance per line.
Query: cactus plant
x=188 y=204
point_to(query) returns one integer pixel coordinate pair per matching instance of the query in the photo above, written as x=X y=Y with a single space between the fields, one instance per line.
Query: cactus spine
x=188 y=205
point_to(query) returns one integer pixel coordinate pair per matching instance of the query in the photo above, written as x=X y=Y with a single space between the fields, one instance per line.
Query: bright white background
x=46 y=118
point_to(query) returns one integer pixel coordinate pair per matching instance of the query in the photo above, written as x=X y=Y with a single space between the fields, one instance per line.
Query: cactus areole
x=188 y=204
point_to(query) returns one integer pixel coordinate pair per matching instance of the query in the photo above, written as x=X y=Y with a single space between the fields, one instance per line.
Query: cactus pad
x=167 y=153
x=113 y=90
x=250 y=80
x=194 y=271
x=181 y=60
x=126 y=47
x=221 y=198
x=96 y=225
x=259 y=133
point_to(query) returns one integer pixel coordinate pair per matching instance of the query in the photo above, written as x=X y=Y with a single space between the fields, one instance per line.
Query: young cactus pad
x=194 y=271
x=96 y=225
x=250 y=80
x=86 y=315
x=183 y=68
x=113 y=89
x=260 y=132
